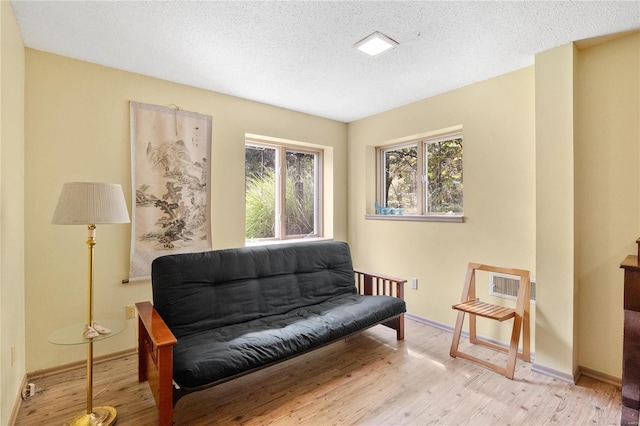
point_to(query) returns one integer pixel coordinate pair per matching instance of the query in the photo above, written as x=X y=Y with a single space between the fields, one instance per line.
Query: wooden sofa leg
x=165 y=386
x=143 y=345
x=397 y=324
x=400 y=329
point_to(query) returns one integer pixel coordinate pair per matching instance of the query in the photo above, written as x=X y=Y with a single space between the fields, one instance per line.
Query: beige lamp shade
x=90 y=203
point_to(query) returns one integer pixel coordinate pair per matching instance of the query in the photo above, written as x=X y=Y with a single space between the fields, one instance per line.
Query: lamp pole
x=91 y=242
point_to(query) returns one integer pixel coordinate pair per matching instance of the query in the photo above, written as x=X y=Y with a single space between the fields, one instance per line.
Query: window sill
x=452 y=218
x=254 y=243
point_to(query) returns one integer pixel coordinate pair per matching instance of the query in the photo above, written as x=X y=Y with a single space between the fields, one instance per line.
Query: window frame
x=280 y=220
x=420 y=142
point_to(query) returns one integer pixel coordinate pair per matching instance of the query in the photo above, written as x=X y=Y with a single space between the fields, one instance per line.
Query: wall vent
x=506 y=286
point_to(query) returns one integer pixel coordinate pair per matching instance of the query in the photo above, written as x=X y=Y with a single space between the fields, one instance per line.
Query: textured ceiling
x=298 y=55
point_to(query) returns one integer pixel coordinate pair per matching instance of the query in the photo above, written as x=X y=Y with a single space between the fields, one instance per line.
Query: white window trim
x=281 y=146
x=451 y=218
x=423 y=139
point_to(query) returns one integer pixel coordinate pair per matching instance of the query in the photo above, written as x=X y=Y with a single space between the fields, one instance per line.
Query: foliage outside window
x=422 y=177
x=282 y=192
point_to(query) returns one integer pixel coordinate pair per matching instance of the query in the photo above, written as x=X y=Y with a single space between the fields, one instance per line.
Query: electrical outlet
x=414 y=283
x=130 y=312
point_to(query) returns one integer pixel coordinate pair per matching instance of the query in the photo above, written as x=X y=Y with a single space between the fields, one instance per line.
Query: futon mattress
x=221 y=353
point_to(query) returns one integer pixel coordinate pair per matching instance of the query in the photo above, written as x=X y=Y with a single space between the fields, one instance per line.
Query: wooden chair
x=473 y=306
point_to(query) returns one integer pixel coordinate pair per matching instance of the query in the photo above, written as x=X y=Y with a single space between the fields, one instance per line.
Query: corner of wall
x=555 y=222
x=12 y=283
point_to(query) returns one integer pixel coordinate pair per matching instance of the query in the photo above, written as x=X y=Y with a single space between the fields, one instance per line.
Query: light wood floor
x=370 y=379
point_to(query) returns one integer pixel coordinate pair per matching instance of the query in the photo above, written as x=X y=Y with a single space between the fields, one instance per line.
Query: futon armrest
x=155 y=359
x=155 y=326
x=369 y=283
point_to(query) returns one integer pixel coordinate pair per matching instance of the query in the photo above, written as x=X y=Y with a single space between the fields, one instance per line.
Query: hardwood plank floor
x=369 y=379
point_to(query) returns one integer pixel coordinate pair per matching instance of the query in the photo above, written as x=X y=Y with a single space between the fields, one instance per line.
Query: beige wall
x=12 y=307
x=555 y=233
x=498 y=122
x=77 y=117
x=607 y=192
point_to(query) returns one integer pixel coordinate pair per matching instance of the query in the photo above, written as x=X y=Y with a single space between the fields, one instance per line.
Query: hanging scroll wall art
x=170 y=160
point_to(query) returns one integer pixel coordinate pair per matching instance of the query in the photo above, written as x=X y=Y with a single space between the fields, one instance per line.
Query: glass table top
x=72 y=334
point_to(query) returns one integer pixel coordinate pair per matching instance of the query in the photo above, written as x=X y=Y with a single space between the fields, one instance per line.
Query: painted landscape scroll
x=170 y=164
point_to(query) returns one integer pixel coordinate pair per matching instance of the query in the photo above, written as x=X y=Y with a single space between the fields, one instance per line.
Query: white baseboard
x=34 y=375
x=606 y=378
x=563 y=377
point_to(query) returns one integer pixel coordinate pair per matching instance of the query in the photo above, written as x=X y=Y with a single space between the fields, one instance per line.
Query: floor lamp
x=91 y=203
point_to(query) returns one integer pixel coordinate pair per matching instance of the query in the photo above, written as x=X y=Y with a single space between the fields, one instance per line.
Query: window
x=421 y=177
x=282 y=190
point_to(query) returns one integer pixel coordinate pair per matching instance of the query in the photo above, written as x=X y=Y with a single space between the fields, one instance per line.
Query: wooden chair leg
x=456 y=335
x=473 y=335
x=526 y=330
x=513 y=348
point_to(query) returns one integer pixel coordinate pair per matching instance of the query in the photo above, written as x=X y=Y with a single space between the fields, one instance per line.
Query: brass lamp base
x=100 y=416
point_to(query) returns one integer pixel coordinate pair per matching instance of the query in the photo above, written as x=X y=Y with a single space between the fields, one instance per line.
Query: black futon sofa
x=221 y=314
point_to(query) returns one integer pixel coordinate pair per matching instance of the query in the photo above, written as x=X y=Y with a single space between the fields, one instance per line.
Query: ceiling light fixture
x=375 y=44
